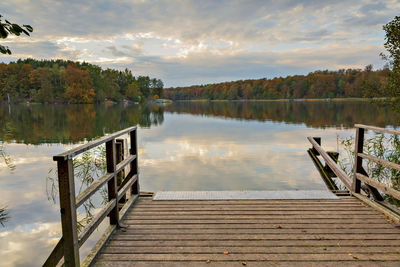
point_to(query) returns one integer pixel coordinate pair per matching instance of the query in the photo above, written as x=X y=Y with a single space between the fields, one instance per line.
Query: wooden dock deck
x=253 y=233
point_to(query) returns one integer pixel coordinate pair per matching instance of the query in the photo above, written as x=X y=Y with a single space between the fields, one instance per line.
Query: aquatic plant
x=383 y=146
x=87 y=167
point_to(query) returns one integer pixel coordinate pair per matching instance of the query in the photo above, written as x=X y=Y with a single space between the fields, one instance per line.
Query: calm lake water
x=182 y=146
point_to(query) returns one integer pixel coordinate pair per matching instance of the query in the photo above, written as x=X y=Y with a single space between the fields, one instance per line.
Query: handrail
x=331 y=163
x=80 y=149
x=380 y=161
x=68 y=246
x=377 y=129
x=359 y=174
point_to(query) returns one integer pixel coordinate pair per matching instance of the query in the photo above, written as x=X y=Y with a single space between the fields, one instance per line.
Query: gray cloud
x=205 y=40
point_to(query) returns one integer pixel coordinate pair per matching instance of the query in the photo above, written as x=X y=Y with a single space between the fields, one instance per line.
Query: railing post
x=112 y=184
x=318 y=140
x=134 y=164
x=66 y=186
x=359 y=142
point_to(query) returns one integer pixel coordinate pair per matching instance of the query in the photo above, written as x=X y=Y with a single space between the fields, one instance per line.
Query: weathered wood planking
x=258 y=233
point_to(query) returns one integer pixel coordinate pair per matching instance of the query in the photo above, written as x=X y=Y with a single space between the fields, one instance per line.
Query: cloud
x=198 y=41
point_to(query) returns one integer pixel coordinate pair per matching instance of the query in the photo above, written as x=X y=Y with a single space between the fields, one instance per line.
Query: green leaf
x=27 y=33
x=28 y=27
x=3 y=32
x=5 y=50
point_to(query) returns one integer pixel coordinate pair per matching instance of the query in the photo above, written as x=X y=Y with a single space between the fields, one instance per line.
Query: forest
x=318 y=84
x=64 y=81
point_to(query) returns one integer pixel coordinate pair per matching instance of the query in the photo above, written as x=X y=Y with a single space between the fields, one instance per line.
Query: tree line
x=72 y=82
x=318 y=84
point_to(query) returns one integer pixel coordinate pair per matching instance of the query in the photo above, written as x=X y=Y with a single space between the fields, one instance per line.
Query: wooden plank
x=247 y=250
x=80 y=149
x=273 y=230
x=239 y=237
x=88 y=192
x=234 y=220
x=343 y=217
x=224 y=203
x=251 y=207
x=66 y=185
x=262 y=263
x=362 y=209
x=380 y=161
x=380 y=186
x=251 y=257
x=234 y=203
x=236 y=206
x=288 y=225
x=331 y=163
x=377 y=129
x=249 y=243
x=144 y=212
x=97 y=219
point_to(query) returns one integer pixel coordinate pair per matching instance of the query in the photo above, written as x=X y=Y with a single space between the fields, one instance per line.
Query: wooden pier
x=253 y=233
x=350 y=230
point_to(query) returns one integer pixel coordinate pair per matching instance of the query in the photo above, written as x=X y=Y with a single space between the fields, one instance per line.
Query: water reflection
x=183 y=146
x=311 y=113
x=35 y=124
x=198 y=153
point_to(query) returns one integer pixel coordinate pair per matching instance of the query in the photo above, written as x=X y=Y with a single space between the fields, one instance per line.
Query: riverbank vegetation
x=66 y=81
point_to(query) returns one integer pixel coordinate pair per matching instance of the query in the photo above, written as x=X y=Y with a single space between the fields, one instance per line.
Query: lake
x=182 y=146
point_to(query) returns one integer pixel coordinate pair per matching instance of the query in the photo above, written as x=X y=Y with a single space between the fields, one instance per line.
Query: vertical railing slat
x=66 y=185
x=112 y=184
x=134 y=164
x=120 y=146
x=359 y=142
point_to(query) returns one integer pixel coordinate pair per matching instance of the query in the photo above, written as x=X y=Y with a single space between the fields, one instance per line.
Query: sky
x=200 y=42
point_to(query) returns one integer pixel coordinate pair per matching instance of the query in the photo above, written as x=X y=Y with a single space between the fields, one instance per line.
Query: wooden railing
x=360 y=174
x=371 y=187
x=67 y=248
x=316 y=143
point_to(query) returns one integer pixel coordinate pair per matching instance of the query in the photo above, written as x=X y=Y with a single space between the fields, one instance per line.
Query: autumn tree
x=79 y=85
x=133 y=91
